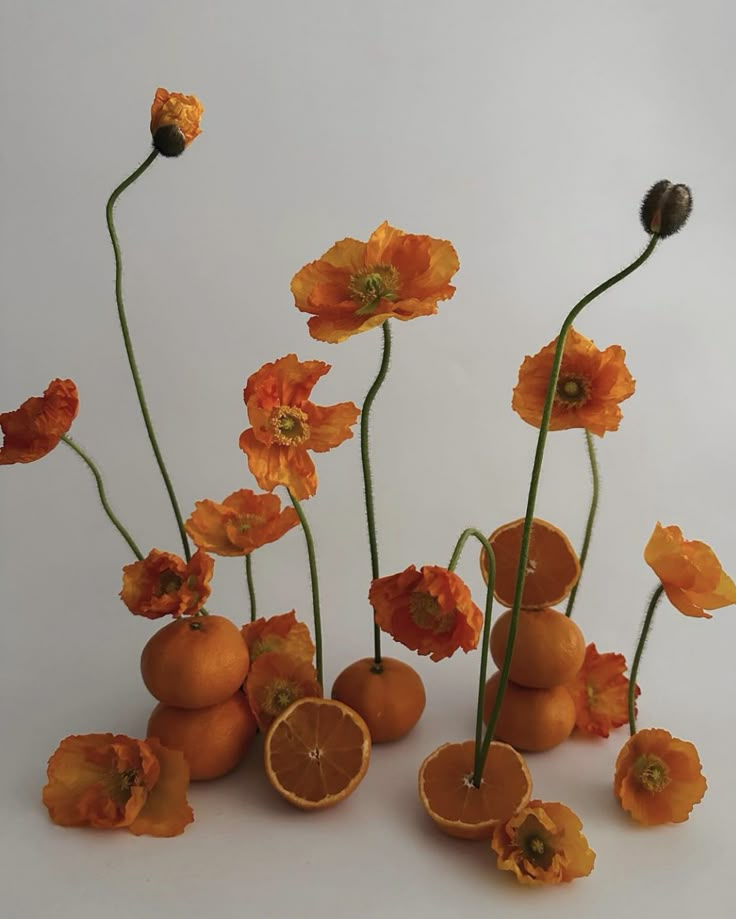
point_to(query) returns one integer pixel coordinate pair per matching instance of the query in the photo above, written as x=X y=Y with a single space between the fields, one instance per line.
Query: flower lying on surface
x=110 y=780
x=275 y=681
x=175 y=121
x=243 y=522
x=543 y=844
x=590 y=386
x=691 y=575
x=658 y=777
x=162 y=584
x=430 y=611
x=286 y=425
x=356 y=286
x=283 y=633
x=600 y=692
x=34 y=429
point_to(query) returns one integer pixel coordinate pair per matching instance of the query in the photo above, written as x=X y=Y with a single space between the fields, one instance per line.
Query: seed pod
x=169 y=140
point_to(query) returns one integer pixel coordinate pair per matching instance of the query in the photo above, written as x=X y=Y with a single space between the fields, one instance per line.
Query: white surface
x=525 y=133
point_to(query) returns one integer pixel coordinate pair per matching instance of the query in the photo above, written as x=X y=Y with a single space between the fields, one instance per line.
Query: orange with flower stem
x=530 y=719
x=549 y=648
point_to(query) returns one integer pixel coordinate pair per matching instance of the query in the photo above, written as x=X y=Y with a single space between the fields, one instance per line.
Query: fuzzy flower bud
x=666 y=208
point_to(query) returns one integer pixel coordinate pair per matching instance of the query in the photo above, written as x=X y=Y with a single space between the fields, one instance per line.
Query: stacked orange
x=538 y=711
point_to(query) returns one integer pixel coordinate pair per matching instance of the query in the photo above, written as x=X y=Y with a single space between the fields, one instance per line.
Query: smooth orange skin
x=549 y=649
x=531 y=719
x=390 y=702
x=213 y=740
x=195 y=662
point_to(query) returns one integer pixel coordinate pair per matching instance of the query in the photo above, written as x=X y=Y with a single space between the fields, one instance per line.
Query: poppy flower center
x=572 y=391
x=426 y=612
x=122 y=783
x=369 y=287
x=280 y=694
x=536 y=843
x=653 y=773
x=248 y=521
x=169 y=582
x=289 y=426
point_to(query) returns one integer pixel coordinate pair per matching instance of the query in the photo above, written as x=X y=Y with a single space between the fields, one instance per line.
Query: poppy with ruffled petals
x=177 y=111
x=34 y=429
x=275 y=681
x=282 y=633
x=162 y=584
x=243 y=522
x=600 y=692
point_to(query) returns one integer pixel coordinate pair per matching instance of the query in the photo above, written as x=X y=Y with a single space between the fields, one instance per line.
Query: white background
x=525 y=132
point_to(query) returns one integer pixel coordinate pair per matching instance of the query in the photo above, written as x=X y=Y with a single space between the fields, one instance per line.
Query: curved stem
x=315 y=582
x=129 y=345
x=536 y=472
x=646 y=625
x=251 y=586
x=367 y=480
x=591 y=518
x=103 y=497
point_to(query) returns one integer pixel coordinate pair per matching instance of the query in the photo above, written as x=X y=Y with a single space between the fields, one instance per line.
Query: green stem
x=536 y=472
x=480 y=759
x=129 y=345
x=103 y=497
x=251 y=586
x=591 y=518
x=646 y=625
x=367 y=480
x=315 y=582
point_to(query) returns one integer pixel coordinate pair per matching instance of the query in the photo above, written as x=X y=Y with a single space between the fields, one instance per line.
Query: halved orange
x=457 y=807
x=552 y=567
x=317 y=752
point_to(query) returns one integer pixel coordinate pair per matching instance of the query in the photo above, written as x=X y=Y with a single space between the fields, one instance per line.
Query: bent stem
x=591 y=518
x=315 y=582
x=480 y=757
x=645 y=627
x=368 y=481
x=536 y=472
x=103 y=497
x=129 y=345
x=251 y=586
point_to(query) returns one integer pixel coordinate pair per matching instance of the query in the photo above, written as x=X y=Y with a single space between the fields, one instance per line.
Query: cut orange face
x=552 y=568
x=317 y=752
x=460 y=809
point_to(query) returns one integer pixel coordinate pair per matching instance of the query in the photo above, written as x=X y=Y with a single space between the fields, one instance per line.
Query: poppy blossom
x=276 y=680
x=600 y=692
x=162 y=584
x=243 y=522
x=179 y=115
x=283 y=633
x=34 y=429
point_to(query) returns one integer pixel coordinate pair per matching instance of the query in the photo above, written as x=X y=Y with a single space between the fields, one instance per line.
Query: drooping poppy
x=34 y=429
x=244 y=521
x=162 y=584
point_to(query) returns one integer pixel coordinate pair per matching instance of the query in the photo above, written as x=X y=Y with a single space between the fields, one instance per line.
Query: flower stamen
x=653 y=773
x=572 y=391
x=369 y=287
x=289 y=426
x=426 y=612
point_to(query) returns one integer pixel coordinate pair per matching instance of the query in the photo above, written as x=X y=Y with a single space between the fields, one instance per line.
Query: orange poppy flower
x=179 y=111
x=690 y=573
x=543 y=844
x=430 y=611
x=589 y=388
x=34 y=429
x=110 y=780
x=658 y=778
x=286 y=425
x=356 y=286
x=600 y=692
x=275 y=681
x=279 y=633
x=243 y=522
x=162 y=584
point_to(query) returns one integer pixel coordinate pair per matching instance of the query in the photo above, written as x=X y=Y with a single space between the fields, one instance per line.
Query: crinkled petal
x=166 y=811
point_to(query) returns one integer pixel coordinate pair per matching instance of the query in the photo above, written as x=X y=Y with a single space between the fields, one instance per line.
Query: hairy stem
x=645 y=627
x=251 y=586
x=591 y=518
x=314 y=580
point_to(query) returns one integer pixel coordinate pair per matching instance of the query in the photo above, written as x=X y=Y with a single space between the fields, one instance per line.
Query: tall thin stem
x=645 y=627
x=536 y=472
x=129 y=345
x=251 y=586
x=367 y=479
x=311 y=554
x=103 y=497
x=591 y=518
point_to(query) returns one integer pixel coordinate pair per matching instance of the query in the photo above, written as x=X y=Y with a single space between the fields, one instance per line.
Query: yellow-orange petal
x=286 y=381
x=35 y=428
x=206 y=528
x=329 y=424
x=275 y=681
x=166 y=811
x=276 y=465
x=335 y=329
x=175 y=108
x=282 y=633
x=335 y=267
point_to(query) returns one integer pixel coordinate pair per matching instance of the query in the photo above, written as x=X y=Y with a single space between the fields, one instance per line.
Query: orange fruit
x=548 y=651
x=195 y=661
x=531 y=719
x=460 y=809
x=317 y=752
x=552 y=567
x=391 y=702
x=213 y=739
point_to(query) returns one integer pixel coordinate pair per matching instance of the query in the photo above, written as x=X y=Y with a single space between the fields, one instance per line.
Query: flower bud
x=169 y=140
x=666 y=208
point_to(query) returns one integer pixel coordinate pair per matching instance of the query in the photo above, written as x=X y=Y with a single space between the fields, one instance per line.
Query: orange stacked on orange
x=537 y=712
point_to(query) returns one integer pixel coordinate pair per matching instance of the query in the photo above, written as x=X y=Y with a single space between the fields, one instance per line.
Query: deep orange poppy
x=34 y=429
x=162 y=584
x=183 y=112
x=600 y=692
x=690 y=572
x=111 y=780
x=429 y=611
x=283 y=633
x=658 y=778
x=243 y=522
x=589 y=388
x=356 y=286
x=286 y=425
x=275 y=681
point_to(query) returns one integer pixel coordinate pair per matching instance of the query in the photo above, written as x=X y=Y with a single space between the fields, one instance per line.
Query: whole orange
x=213 y=739
x=195 y=661
x=531 y=719
x=390 y=701
x=548 y=651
